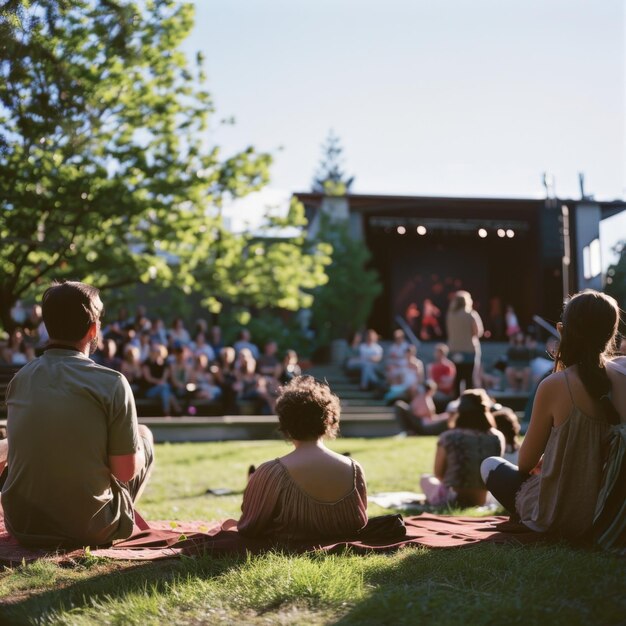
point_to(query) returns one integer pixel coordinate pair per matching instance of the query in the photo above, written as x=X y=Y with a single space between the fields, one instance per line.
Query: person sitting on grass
x=76 y=458
x=508 y=424
x=460 y=452
x=420 y=416
x=556 y=486
x=409 y=378
x=312 y=491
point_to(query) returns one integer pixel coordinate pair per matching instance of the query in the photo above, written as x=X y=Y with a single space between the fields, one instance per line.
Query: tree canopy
x=106 y=171
x=616 y=278
x=343 y=305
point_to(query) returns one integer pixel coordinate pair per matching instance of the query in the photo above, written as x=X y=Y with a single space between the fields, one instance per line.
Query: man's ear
x=92 y=331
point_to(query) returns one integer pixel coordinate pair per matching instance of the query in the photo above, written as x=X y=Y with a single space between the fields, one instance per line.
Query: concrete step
x=255 y=427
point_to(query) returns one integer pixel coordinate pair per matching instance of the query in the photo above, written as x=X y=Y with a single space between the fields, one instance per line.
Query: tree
x=274 y=268
x=616 y=277
x=106 y=174
x=330 y=179
x=343 y=304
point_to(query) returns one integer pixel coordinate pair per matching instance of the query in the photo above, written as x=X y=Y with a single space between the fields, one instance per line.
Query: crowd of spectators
x=181 y=369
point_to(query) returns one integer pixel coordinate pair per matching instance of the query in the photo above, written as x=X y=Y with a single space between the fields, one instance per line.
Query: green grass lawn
x=478 y=585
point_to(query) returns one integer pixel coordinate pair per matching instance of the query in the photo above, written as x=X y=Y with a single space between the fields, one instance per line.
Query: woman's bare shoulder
x=553 y=382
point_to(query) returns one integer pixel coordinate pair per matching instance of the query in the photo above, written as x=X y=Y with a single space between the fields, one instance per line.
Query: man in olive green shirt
x=77 y=459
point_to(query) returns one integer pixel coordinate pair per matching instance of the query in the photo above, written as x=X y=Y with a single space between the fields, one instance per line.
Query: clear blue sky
x=443 y=97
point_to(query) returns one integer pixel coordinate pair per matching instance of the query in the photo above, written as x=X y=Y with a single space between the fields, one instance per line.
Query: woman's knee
x=489 y=465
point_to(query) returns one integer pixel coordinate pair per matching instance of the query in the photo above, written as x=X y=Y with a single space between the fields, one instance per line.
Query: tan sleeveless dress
x=562 y=498
x=275 y=505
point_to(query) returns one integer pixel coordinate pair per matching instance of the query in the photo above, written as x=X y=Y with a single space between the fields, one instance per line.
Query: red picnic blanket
x=168 y=539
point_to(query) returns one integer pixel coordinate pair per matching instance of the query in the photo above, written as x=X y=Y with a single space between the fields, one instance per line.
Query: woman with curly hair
x=312 y=491
x=556 y=486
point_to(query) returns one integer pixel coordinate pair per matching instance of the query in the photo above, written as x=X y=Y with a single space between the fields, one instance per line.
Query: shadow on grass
x=156 y=576
x=492 y=584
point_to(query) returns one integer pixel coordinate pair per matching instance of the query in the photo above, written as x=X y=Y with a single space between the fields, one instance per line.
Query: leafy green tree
x=275 y=267
x=106 y=174
x=344 y=303
x=330 y=179
x=616 y=277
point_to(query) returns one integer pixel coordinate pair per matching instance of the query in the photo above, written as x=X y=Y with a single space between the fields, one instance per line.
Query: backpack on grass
x=609 y=521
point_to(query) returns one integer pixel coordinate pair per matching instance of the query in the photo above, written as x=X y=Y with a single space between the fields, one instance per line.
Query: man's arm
x=4 y=453
x=126 y=466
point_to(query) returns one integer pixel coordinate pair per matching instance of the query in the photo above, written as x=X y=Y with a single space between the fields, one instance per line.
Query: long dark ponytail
x=590 y=321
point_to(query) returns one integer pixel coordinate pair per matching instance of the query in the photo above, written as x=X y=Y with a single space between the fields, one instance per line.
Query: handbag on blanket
x=383 y=528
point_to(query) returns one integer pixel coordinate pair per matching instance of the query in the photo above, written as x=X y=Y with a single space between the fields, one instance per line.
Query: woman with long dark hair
x=556 y=486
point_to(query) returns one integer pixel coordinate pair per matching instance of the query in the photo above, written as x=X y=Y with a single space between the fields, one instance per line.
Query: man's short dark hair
x=69 y=308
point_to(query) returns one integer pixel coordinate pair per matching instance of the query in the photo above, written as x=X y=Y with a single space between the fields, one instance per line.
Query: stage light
x=501 y=232
x=482 y=233
x=421 y=230
x=401 y=230
x=510 y=233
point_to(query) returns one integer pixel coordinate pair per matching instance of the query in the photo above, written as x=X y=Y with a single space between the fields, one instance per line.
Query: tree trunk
x=7 y=300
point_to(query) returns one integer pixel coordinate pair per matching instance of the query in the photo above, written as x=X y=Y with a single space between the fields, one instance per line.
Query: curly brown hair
x=307 y=410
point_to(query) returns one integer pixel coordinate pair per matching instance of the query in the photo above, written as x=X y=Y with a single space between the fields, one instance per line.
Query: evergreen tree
x=330 y=179
x=343 y=305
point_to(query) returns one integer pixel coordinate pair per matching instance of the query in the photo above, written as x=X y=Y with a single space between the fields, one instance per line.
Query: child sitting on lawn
x=312 y=491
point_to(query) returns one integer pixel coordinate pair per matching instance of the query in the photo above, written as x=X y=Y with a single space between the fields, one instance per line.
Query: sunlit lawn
x=479 y=585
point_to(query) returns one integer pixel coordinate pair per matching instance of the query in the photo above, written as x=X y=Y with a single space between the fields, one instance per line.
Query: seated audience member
x=76 y=458
x=508 y=424
x=114 y=331
x=410 y=377
x=156 y=374
x=290 y=367
x=443 y=372
x=158 y=332
x=225 y=377
x=395 y=358
x=178 y=333
x=143 y=342
x=132 y=369
x=33 y=322
x=557 y=485
x=419 y=417
x=203 y=381
x=106 y=355
x=460 y=452
x=16 y=348
x=249 y=386
x=518 y=364
x=268 y=363
x=352 y=361
x=215 y=339
x=202 y=326
x=180 y=371
x=200 y=346
x=543 y=363
x=244 y=341
x=370 y=355
x=312 y=491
